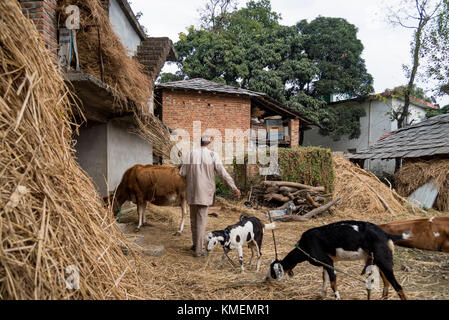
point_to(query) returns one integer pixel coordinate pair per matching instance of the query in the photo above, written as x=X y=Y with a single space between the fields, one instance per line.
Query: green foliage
x=333 y=46
x=432 y=113
x=240 y=174
x=416 y=92
x=308 y=165
x=297 y=65
x=399 y=93
x=222 y=189
x=436 y=48
x=342 y=121
x=170 y=77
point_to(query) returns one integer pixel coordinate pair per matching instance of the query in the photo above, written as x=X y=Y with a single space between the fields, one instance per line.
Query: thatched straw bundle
x=362 y=191
x=51 y=217
x=152 y=130
x=415 y=174
x=121 y=72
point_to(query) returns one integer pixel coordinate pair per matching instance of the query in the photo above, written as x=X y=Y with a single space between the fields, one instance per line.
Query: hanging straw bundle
x=152 y=130
x=52 y=222
x=121 y=72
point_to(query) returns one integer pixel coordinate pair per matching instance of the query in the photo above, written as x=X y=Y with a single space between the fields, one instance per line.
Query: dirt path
x=177 y=275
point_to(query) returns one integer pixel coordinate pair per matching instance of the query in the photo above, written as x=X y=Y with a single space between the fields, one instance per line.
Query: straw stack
x=51 y=218
x=363 y=192
x=416 y=174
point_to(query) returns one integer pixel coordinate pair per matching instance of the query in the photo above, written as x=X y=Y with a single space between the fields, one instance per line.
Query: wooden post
x=100 y=54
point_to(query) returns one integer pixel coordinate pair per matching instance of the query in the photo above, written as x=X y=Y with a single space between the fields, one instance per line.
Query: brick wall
x=43 y=14
x=152 y=54
x=294 y=133
x=215 y=111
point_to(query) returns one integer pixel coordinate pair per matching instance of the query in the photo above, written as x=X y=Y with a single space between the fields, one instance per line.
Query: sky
x=387 y=48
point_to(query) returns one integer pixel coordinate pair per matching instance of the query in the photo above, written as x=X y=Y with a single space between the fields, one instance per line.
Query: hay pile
x=362 y=192
x=121 y=72
x=415 y=174
x=51 y=217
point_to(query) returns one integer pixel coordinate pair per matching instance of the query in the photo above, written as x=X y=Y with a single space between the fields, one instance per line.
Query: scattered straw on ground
x=416 y=174
x=51 y=217
x=177 y=275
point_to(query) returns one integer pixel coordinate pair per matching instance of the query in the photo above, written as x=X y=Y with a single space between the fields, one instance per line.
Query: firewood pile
x=294 y=201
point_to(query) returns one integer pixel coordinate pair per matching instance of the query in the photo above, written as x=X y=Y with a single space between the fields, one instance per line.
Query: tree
x=432 y=113
x=332 y=44
x=215 y=13
x=416 y=15
x=416 y=92
x=436 y=50
x=249 y=48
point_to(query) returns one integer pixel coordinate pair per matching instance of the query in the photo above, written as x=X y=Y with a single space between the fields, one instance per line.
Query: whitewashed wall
x=123 y=28
x=124 y=151
x=373 y=126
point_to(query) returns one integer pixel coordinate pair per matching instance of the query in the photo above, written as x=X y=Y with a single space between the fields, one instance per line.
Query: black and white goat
x=343 y=241
x=247 y=231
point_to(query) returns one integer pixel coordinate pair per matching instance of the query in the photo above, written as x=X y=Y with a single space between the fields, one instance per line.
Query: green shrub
x=222 y=188
x=308 y=165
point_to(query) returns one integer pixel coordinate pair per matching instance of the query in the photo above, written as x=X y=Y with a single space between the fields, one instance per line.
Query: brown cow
x=426 y=234
x=160 y=185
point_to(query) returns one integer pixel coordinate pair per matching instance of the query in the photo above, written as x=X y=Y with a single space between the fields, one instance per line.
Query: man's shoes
x=202 y=254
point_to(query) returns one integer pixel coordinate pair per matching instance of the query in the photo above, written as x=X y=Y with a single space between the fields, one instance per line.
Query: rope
x=274 y=238
x=230 y=260
x=328 y=266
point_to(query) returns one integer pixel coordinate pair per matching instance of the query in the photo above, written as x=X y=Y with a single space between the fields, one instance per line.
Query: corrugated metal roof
x=427 y=138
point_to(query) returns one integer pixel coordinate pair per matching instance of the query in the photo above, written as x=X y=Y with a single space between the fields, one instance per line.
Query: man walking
x=199 y=170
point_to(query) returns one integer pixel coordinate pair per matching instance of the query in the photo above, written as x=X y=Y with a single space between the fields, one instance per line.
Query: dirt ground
x=176 y=274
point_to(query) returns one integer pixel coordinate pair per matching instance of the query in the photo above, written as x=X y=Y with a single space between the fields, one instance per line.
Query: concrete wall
x=123 y=27
x=91 y=153
x=373 y=126
x=106 y=151
x=124 y=151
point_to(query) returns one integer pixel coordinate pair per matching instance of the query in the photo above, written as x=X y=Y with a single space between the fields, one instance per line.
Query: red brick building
x=178 y=104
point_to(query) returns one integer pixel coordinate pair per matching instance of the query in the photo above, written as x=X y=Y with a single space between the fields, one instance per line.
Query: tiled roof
x=427 y=138
x=413 y=100
x=207 y=86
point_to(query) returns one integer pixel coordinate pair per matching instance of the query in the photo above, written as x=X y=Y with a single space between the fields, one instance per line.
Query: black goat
x=342 y=241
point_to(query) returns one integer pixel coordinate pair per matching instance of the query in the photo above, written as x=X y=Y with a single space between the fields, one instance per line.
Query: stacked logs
x=306 y=201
